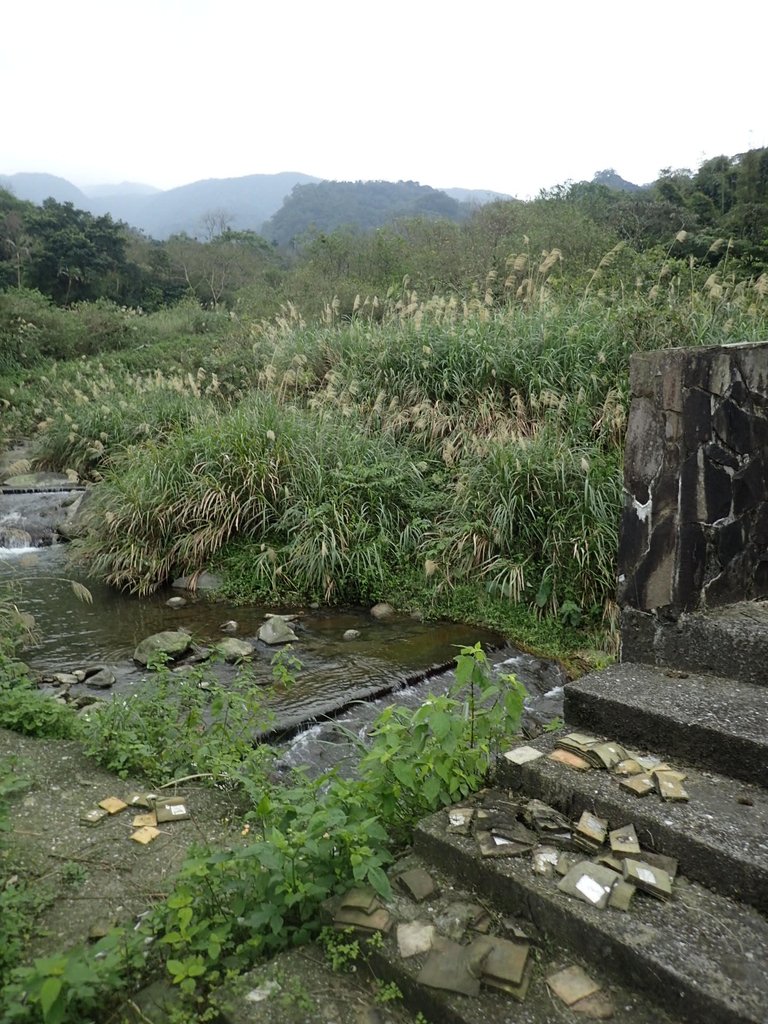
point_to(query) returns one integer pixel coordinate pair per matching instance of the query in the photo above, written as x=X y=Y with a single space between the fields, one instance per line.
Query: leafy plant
x=428 y=757
x=179 y=724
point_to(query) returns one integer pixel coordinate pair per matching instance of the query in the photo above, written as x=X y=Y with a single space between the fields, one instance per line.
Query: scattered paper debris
x=143 y=800
x=414 y=938
x=524 y=754
x=572 y=984
x=640 y=785
x=417 y=883
x=624 y=840
x=145 y=835
x=112 y=804
x=454 y=968
x=598 y=1006
x=171 y=810
x=589 y=882
x=143 y=820
x=459 y=820
x=570 y=760
x=669 y=786
x=654 y=881
x=590 y=832
x=93 y=817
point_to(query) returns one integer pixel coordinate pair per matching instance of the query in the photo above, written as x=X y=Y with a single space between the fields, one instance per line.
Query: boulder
x=382 y=610
x=351 y=634
x=233 y=650
x=170 y=642
x=71 y=526
x=176 y=602
x=202 y=581
x=276 y=631
x=102 y=680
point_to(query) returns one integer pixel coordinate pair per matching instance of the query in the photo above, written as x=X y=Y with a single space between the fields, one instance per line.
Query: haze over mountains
x=257 y=202
x=248 y=202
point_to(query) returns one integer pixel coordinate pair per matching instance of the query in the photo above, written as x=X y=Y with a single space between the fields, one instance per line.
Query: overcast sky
x=498 y=95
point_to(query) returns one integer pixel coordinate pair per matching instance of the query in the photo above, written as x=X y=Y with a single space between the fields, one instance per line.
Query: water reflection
x=334 y=671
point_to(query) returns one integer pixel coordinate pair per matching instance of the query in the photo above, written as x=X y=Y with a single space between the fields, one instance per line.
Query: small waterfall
x=13 y=538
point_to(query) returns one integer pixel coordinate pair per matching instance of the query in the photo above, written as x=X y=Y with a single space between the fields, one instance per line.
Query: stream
x=341 y=682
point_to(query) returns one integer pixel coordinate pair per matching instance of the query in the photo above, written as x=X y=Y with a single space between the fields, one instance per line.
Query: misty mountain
x=245 y=203
x=476 y=196
x=36 y=187
x=364 y=205
x=125 y=188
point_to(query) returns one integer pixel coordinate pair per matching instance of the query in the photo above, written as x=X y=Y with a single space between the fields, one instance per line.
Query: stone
x=233 y=650
x=176 y=602
x=382 y=611
x=351 y=634
x=276 y=631
x=65 y=678
x=172 y=643
x=101 y=680
x=203 y=581
x=230 y=626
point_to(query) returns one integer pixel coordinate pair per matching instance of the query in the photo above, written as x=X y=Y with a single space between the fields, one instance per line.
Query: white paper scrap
x=591 y=889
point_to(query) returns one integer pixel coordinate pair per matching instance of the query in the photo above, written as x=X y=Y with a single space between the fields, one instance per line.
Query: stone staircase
x=701 y=957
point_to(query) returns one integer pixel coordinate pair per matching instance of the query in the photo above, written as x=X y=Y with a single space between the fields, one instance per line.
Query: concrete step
x=492 y=1007
x=728 y=641
x=707 y=721
x=718 y=837
x=700 y=955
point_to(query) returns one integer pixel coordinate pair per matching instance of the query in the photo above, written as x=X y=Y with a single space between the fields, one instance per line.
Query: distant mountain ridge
x=256 y=202
x=246 y=202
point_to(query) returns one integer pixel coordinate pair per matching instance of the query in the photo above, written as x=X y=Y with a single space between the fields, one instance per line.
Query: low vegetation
x=432 y=413
x=309 y=837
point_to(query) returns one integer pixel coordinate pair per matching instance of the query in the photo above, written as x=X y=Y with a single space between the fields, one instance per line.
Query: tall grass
x=455 y=441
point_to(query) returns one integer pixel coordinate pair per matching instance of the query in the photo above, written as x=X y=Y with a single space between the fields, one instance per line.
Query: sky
x=493 y=94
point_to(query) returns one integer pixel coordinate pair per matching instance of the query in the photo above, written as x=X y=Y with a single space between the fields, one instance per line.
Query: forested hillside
x=340 y=239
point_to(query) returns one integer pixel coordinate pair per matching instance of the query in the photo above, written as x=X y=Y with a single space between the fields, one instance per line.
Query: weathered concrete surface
x=690 y=952
x=439 y=1007
x=729 y=641
x=705 y=720
x=719 y=836
x=695 y=518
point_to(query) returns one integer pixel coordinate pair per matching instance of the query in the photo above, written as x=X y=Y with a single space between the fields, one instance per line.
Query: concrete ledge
x=705 y=720
x=689 y=953
x=717 y=840
x=730 y=641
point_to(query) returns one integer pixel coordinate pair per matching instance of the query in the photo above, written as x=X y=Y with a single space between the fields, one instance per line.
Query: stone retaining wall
x=694 y=529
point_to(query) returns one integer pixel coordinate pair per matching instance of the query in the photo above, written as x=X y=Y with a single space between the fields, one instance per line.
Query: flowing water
x=388 y=656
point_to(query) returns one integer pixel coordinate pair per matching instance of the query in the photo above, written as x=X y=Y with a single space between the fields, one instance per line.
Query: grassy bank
x=458 y=456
